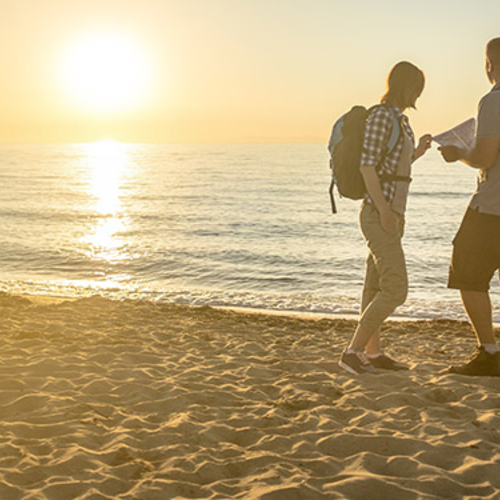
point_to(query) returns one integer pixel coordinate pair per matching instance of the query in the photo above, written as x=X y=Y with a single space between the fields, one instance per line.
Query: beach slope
x=131 y=400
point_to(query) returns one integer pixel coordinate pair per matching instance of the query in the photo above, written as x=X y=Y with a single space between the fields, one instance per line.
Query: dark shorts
x=476 y=252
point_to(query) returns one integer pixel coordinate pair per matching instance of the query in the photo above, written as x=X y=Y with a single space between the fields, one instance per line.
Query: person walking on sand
x=382 y=217
x=476 y=247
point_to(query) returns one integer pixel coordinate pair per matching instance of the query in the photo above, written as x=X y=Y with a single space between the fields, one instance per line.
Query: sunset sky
x=230 y=70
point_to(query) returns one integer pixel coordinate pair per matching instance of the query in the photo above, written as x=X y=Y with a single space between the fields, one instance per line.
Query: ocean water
x=221 y=225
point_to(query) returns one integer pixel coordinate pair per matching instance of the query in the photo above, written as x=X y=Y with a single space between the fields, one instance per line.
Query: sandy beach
x=132 y=400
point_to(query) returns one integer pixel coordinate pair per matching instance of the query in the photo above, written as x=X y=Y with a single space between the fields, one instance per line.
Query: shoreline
x=39 y=299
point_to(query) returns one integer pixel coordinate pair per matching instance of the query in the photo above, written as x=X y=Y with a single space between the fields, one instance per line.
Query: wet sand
x=102 y=399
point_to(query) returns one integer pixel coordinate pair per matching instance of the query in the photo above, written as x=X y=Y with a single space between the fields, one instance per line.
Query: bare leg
x=478 y=308
x=361 y=338
x=373 y=346
x=365 y=340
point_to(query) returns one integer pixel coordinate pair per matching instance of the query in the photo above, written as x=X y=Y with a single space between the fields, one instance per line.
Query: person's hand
x=424 y=143
x=388 y=220
x=451 y=153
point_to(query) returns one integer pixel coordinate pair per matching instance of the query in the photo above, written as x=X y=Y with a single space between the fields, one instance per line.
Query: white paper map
x=461 y=136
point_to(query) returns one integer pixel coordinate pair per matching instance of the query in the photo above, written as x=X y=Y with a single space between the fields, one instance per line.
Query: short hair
x=405 y=83
x=493 y=50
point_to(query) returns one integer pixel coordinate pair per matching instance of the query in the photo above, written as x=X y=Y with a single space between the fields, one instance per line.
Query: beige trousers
x=386 y=281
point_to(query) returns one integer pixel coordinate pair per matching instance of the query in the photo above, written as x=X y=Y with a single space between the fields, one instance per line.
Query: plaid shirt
x=377 y=133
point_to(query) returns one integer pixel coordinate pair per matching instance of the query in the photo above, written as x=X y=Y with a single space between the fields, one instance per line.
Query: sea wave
x=226 y=226
x=308 y=303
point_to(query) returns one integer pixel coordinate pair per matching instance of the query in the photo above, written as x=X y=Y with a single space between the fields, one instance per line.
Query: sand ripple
x=135 y=401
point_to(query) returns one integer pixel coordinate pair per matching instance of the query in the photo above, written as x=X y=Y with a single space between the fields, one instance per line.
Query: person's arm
x=483 y=155
x=485 y=152
x=377 y=131
x=372 y=184
x=424 y=144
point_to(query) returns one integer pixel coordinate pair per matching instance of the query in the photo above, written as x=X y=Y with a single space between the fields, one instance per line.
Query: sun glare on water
x=107 y=162
x=107 y=73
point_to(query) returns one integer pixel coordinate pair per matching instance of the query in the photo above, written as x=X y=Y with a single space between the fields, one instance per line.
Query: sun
x=107 y=72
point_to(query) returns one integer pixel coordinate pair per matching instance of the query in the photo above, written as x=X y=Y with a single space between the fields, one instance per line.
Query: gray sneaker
x=356 y=363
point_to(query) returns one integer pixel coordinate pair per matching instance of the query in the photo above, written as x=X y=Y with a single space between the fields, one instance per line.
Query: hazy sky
x=232 y=70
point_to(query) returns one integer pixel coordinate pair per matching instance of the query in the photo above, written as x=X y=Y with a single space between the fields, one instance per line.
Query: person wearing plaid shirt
x=386 y=176
x=377 y=132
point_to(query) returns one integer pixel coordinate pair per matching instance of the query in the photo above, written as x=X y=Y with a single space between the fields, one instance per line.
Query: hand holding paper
x=461 y=136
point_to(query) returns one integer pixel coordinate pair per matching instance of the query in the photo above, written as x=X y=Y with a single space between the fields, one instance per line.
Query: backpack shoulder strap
x=395 y=132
